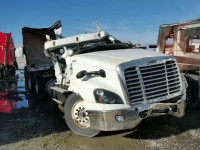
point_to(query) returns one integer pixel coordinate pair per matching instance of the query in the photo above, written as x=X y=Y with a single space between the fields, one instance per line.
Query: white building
x=19 y=51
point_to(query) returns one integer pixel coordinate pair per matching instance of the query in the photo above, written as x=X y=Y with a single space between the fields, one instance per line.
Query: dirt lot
x=28 y=124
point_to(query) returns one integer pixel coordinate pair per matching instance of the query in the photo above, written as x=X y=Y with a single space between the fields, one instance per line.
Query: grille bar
x=173 y=79
x=151 y=67
x=156 y=91
x=155 y=83
x=136 y=95
x=135 y=87
x=154 y=79
x=153 y=71
x=136 y=91
x=157 y=95
x=174 y=82
x=154 y=75
x=134 y=75
x=137 y=99
x=155 y=87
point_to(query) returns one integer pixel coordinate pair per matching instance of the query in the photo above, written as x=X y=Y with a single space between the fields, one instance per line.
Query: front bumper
x=106 y=120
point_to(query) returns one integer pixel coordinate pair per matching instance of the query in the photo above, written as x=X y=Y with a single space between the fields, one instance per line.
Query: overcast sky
x=137 y=21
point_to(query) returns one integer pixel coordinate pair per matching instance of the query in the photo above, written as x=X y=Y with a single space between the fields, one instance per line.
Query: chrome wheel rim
x=80 y=115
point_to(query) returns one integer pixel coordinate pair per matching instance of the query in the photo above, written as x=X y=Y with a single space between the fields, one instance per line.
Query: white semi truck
x=103 y=84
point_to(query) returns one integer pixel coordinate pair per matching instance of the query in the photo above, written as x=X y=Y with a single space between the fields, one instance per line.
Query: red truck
x=7 y=54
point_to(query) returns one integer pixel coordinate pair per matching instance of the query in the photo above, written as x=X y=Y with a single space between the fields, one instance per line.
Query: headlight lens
x=107 y=97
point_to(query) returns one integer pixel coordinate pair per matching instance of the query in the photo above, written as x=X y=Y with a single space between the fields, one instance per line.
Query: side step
x=58 y=89
x=59 y=104
x=57 y=101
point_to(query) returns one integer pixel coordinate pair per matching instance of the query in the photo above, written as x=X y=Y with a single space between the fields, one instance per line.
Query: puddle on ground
x=12 y=93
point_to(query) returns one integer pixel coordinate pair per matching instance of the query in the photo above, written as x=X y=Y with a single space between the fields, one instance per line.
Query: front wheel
x=76 y=116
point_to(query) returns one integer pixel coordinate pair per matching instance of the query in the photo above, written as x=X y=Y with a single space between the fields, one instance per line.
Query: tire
x=39 y=90
x=26 y=77
x=1 y=76
x=72 y=120
x=31 y=85
x=192 y=99
x=4 y=73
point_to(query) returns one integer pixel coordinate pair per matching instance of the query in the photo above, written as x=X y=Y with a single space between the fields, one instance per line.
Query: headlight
x=107 y=97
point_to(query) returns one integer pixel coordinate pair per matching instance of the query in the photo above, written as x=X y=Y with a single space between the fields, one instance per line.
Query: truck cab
x=104 y=84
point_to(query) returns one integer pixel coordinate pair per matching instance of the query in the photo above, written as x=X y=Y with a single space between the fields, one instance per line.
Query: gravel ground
x=28 y=124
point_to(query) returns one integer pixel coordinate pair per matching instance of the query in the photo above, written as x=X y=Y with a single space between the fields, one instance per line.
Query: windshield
x=101 y=45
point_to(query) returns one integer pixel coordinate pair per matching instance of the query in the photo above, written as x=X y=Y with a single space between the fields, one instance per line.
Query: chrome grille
x=147 y=83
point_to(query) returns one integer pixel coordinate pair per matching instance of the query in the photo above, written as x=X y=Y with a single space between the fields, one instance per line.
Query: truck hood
x=112 y=58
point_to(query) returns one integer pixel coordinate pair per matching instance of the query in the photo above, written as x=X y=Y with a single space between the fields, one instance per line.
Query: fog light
x=120 y=118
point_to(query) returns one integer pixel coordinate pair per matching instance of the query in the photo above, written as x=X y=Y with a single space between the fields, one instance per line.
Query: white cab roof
x=54 y=44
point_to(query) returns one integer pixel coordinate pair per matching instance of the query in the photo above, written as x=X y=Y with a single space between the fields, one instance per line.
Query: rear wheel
x=192 y=99
x=76 y=116
x=31 y=85
x=1 y=75
x=40 y=92
x=4 y=73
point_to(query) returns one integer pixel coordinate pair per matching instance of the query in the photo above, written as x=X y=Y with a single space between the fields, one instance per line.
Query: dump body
x=182 y=40
x=7 y=49
x=39 y=69
x=33 y=41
